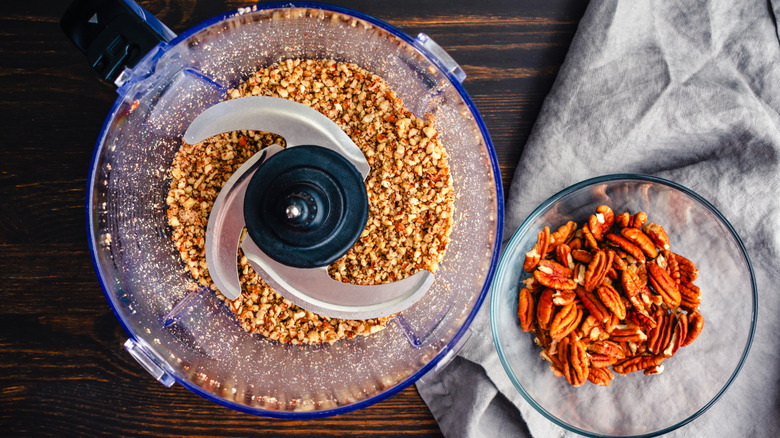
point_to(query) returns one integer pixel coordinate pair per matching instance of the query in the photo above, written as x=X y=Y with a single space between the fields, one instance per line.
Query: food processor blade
x=310 y=288
x=297 y=123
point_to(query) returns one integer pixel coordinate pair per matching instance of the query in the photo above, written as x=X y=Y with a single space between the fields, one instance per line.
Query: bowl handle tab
x=114 y=34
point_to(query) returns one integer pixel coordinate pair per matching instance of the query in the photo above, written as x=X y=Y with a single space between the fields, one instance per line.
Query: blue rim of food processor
x=498 y=233
x=511 y=247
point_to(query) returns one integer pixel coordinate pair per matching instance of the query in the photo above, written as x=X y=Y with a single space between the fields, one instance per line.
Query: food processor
x=180 y=331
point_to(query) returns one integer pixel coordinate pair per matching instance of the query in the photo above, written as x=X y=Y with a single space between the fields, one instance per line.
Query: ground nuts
x=410 y=193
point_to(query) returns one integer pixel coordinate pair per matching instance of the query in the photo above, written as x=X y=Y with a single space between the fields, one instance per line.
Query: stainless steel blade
x=296 y=122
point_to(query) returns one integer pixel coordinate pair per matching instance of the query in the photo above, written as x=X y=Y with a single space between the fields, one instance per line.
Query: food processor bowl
x=182 y=332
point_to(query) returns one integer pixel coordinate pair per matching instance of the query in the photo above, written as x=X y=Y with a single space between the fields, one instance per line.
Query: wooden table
x=63 y=370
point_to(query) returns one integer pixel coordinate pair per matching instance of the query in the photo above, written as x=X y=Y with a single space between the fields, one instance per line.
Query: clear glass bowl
x=184 y=334
x=695 y=377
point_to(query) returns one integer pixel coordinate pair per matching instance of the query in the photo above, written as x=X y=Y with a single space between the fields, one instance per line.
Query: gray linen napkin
x=685 y=90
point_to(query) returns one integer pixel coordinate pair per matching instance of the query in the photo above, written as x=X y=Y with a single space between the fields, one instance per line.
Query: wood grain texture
x=63 y=371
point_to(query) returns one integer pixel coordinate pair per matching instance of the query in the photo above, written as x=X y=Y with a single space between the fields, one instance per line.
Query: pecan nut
x=563 y=297
x=626 y=246
x=563 y=255
x=664 y=285
x=640 y=239
x=525 y=309
x=581 y=255
x=536 y=253
x=657 y=234
x=679 y=334
x=627 y=333
x=590 y=240
x=623 y=220
x=639 y=219
x=672 y=267
x=554 y=275
x=612 y=300
x=600 y=376
x=544 y=309
x=565 y=321
x=591 y=328
x=605 y=353
x=695 y=326
x=601 y=222
x=636 y=363
x=597 y=270
x=690 y=296
x=595 y=307
x=633 y=286
x=658 y=338
x=575 y=361
x=563 y=234
x=688 y=271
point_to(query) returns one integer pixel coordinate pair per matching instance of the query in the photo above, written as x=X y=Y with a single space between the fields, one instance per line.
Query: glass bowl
x=697 y=375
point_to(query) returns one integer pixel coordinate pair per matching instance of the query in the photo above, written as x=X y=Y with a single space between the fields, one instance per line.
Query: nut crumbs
x=410 y=193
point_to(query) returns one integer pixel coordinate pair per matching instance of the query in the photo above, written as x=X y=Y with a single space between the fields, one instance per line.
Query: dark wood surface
x=63 y=370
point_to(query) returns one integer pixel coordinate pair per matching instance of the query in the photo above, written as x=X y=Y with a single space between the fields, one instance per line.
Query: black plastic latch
x=111 y=33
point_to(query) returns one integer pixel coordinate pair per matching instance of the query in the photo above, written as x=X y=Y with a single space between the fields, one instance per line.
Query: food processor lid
x=303 y=208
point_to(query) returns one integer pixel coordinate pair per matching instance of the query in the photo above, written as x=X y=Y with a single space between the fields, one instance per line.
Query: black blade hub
x=306 y=206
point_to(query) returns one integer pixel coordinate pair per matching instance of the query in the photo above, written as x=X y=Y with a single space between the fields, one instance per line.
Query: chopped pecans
x=410 y=193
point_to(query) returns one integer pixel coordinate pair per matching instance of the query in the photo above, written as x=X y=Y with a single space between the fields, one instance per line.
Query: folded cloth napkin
x=685 y=90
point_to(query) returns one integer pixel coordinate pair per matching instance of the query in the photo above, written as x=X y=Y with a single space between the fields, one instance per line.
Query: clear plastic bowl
x=695 y=377
x=184 y=334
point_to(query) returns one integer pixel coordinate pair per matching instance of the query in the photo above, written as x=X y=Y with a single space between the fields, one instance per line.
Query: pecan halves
x=574 y=359
x=605 y=353
x=688 y=271
x=595 y=307
x=640 y=239
x=590 y=240
x=626 y=246
x=563 y=255
x=525 y=309
x=536 y=253
x=611 y=299
x=597 y=269
x=554 y=275
x=563 y=234
x=624 y=220
x=627 y=333
x=544 y=309
x=609 y=296
x=658 y=338
x=565 y=321
x=600 y=376
x=563 y=297
x=695 y=325
x=601 y=222
x=664 y=285
x=691 y=296
x=637 y=363
x=657 y=234
x=591 y=328
x=633 y=286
